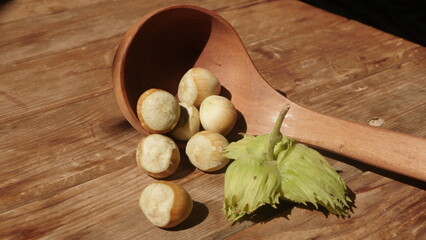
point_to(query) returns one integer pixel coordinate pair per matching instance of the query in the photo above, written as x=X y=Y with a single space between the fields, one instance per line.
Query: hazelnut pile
x=199 y=116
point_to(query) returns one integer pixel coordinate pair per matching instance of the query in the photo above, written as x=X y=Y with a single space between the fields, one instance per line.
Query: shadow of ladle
x=164 y=44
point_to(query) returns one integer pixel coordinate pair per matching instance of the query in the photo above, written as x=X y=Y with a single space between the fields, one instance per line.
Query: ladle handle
x=397 y=152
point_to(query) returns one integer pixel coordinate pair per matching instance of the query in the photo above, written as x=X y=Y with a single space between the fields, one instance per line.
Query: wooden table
x=67 y=155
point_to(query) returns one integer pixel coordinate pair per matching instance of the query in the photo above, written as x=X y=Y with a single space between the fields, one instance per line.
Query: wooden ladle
x=164 y=44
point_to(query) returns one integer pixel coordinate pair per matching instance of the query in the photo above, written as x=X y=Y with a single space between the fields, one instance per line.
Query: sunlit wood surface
x=67 y=154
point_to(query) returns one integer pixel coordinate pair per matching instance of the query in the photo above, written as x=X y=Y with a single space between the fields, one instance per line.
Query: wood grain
x=67 y=167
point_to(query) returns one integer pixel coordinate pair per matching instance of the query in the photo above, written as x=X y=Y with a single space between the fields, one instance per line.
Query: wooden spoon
x=163 y=45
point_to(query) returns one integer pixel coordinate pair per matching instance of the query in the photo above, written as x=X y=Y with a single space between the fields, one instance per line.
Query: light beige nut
x=157 y=155
x=158 y=111
x=218 y=114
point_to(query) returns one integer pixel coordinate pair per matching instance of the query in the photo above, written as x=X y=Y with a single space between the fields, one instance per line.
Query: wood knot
x=376 y=122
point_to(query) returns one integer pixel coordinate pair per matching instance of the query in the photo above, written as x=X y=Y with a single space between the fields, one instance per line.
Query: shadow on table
x=403 y=18
x=365 y=167
x=198 y=215
x=284 y=209
x=4 y=2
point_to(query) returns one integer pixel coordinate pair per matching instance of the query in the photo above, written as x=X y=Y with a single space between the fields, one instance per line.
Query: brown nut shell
x=188 y=124
x=197 y=84
x=205 y=151
x=165 y=204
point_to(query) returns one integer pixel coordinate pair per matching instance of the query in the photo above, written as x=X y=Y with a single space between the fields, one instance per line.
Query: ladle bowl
x=164 y=44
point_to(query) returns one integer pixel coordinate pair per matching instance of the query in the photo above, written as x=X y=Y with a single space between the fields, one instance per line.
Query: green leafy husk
x=307 y=177
x=258 y=184
x=304 y=175
x=248 y=145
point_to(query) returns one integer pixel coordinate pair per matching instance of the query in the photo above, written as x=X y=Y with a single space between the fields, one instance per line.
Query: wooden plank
x=21 y=9
x=329 y=65
x=263 y=24
x=56 y=79
x=59 y=148
x=75 y=26
x=108 y=207
x=49 y=34
x=374 y=96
